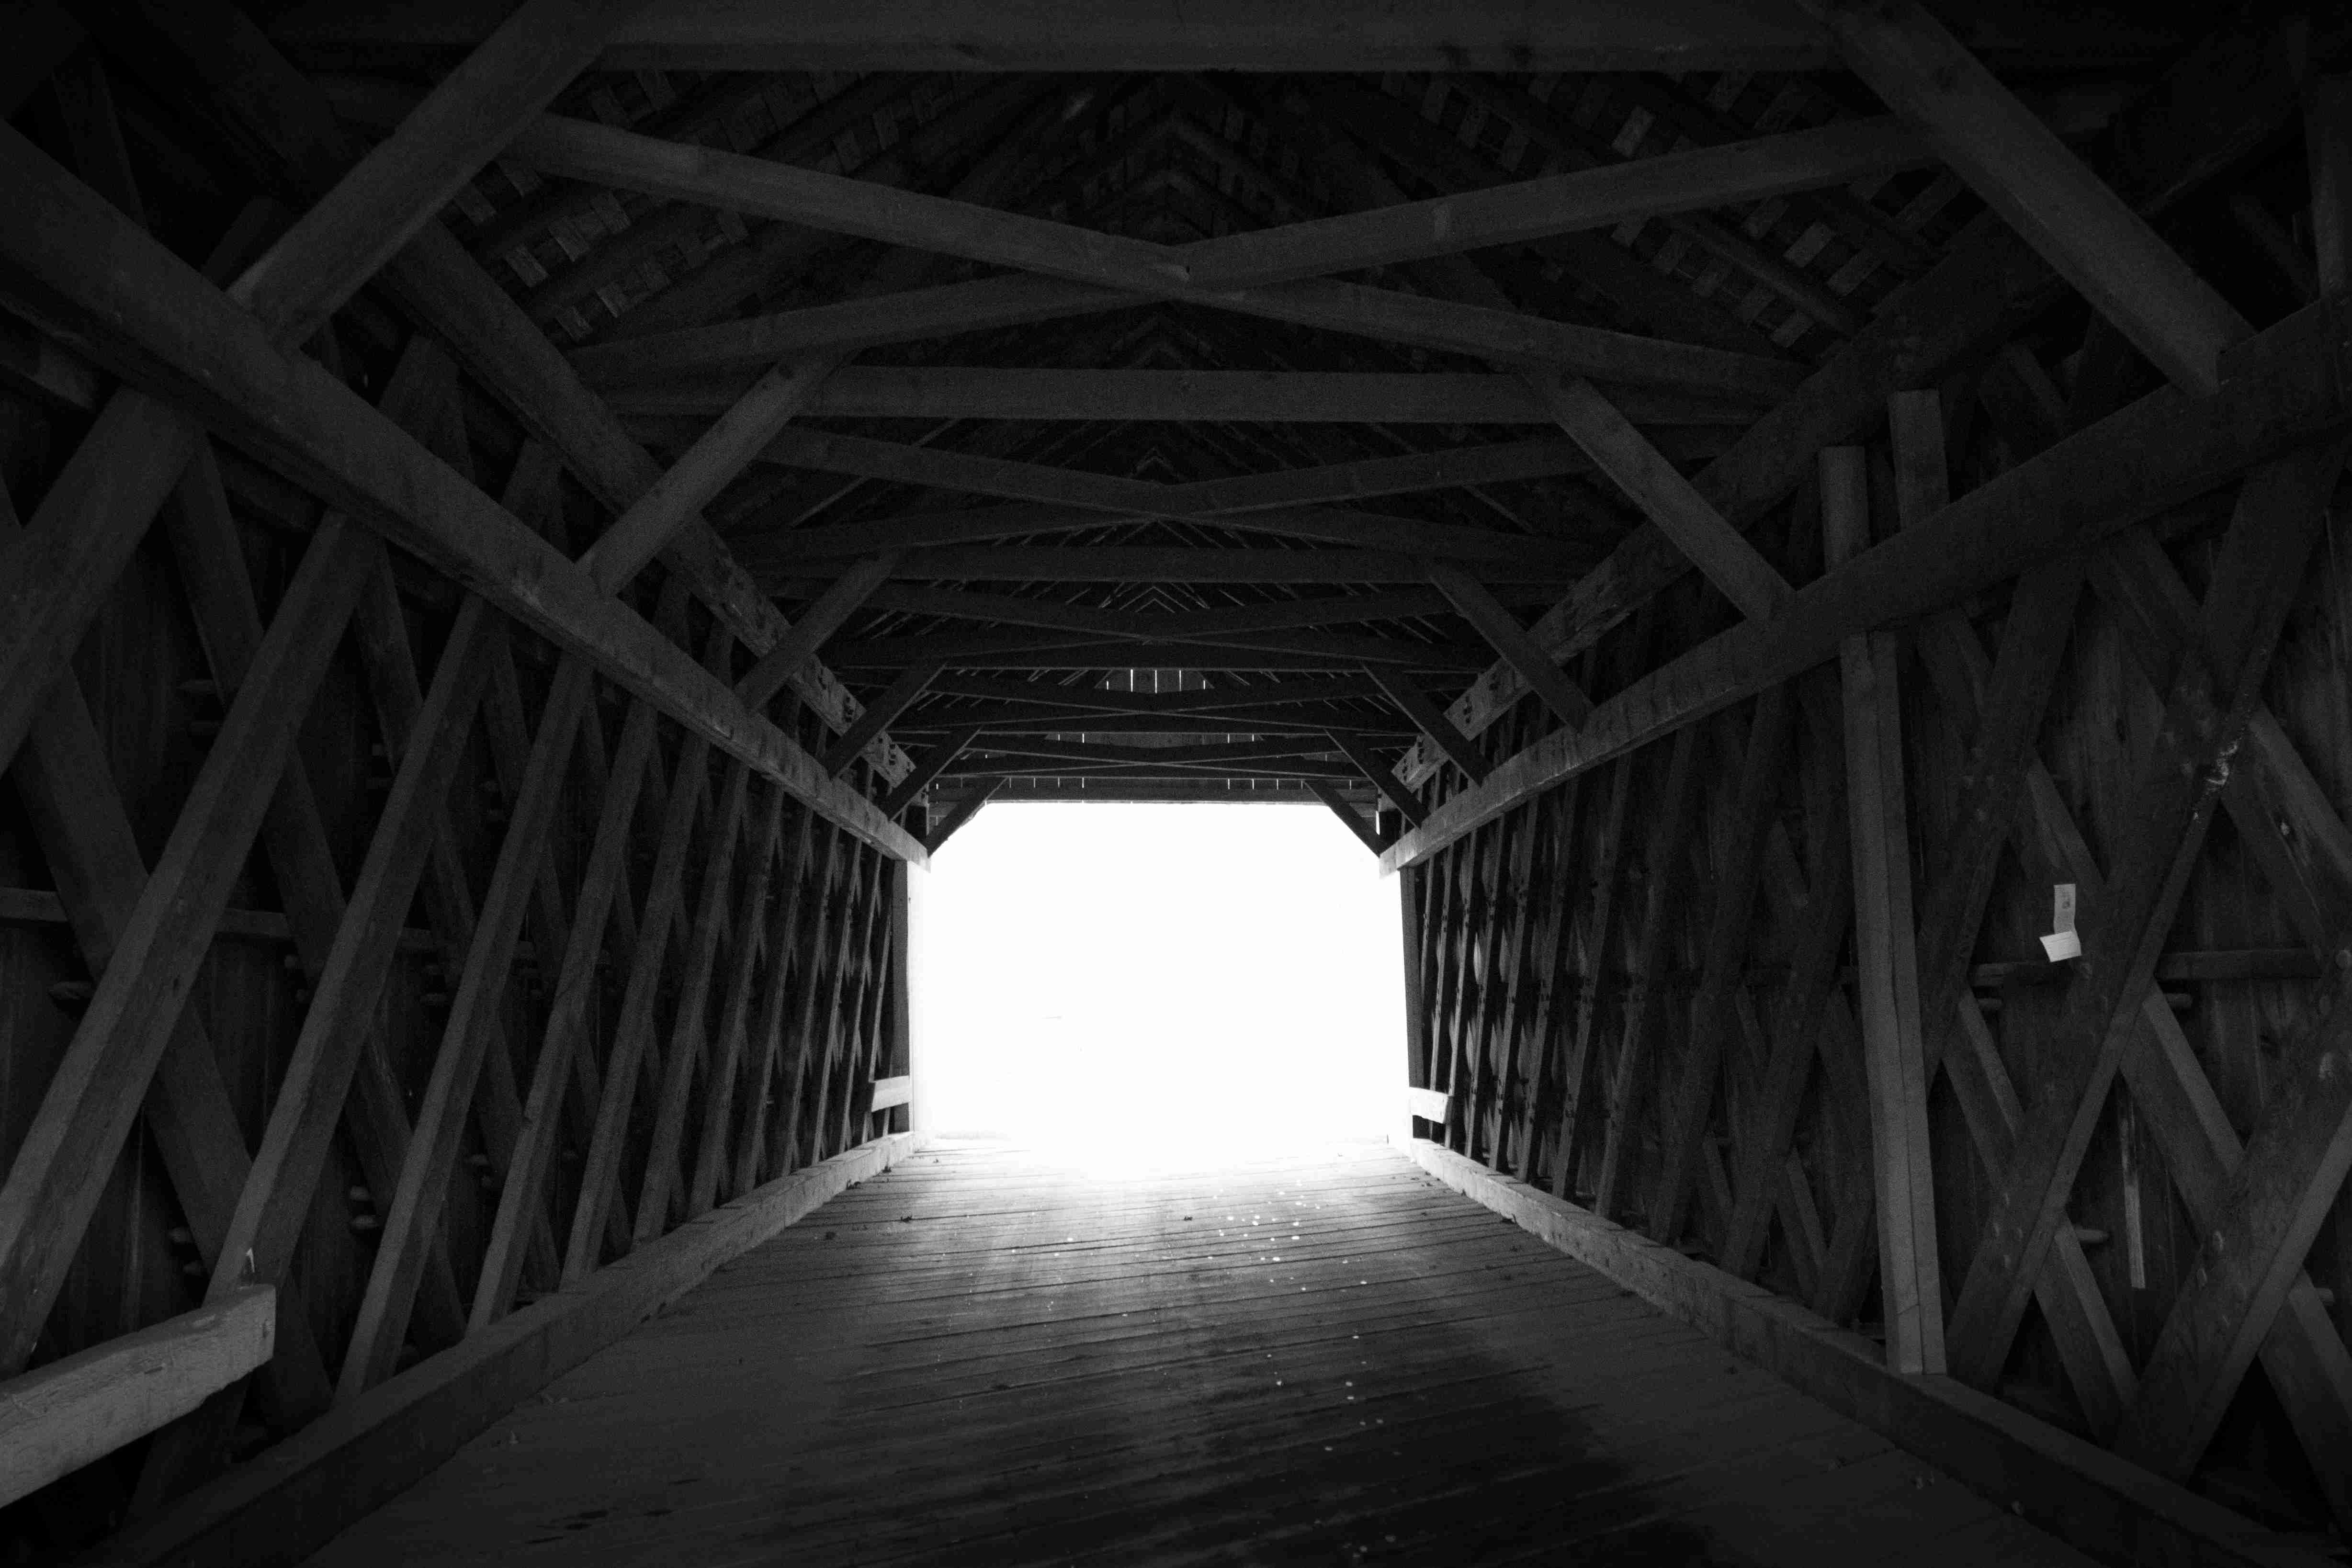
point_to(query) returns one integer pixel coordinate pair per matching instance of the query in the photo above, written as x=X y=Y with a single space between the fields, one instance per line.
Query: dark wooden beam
x=1886 y=931
x=1096 y=751
x=61 y=1166
x=281 y=126
x=1493 y=549
x=877 y=715
x=1148 y=563
x=1430 y=720
x=603 y=891
x=2159 y=452
x=1228 y=35
x=1384 y=315
x=2279 y=514
x=676 y=499
x=727 y=836
x=1693 y=180
x=1041 y=720
x=1350 y=817
x=1507 y=637
x=928 y=766
x=1719 y=550
x=2087 y=232
x=331 y=1473
x=962 y=811
x=397 y=188
x=81 y=1407
x=824 y=617
x=1229 y=500
x=1108 y=700
x=1299 y=650
x=1988 y=285
x=160 y=323
x=79 y=818
x=1286 y=397
x=1283 y=615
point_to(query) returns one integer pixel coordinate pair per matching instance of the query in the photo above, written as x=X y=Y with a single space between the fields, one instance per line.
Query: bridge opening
x=1140 y=985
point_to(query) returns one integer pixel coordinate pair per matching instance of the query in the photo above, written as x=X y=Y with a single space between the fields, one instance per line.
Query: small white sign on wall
x=2063 y=943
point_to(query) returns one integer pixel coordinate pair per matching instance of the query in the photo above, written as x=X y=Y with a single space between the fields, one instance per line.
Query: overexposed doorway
x=1156 y=983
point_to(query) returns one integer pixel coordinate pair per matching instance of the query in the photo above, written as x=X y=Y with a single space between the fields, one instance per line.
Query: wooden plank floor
x=982 y=1357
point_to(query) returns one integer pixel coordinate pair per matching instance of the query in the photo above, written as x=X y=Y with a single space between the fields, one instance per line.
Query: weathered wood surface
x=2093 y=1500
x=75 y=1410
x=1636 y=982
x=294 y=1499
x=982 y=1355
x=1690 y=34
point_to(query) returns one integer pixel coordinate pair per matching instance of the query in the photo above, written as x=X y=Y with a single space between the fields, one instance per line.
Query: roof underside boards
x=1158 y=378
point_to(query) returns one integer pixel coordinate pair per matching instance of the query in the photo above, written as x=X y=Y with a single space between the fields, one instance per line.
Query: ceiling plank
x=1142 y=563
x=1155 y=35
x=1104 y=699
x=1037 y=718
x=1210 y=752
x=1291 y=615
x=1050 y=650
x=1271 y=397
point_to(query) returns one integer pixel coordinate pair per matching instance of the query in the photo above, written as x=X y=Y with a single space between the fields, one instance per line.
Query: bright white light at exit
x=1149 y=984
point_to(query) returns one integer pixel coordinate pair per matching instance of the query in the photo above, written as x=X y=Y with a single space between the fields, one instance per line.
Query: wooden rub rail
x=2076 y=1490
x=72 y=1411
x=452 y=453
x=284 y=1505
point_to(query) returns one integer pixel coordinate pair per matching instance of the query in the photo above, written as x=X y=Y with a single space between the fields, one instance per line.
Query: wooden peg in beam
x=1509 y=638
x=1430 y=719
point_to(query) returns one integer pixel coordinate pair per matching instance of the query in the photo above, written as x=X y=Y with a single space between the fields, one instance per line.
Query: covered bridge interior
x=1804 y=535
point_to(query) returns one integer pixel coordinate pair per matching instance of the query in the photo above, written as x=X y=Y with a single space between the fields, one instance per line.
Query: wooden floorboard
x=982 y=1357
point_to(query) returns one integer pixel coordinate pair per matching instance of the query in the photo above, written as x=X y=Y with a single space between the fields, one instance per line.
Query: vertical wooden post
x=1884 y=943
x=1410 y=881
x=898 y=1005
x=2327 y=133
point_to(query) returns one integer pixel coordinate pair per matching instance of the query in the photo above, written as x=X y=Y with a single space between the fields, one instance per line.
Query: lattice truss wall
x=359 y=933
x=1645 y=987
x=517 y=536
